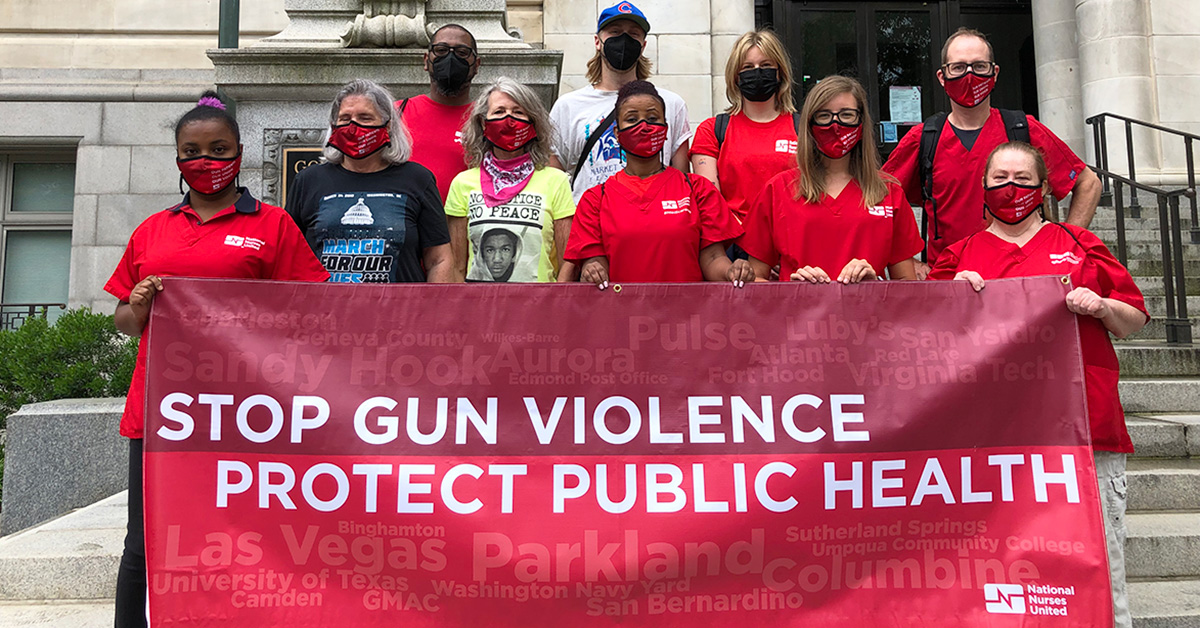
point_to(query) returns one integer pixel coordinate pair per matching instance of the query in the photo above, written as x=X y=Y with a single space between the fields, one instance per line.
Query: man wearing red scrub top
x=973 y=128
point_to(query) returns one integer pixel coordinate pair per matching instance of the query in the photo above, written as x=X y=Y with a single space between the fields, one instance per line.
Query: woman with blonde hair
x=509 y=214
x=755 y=139
x=834 y=217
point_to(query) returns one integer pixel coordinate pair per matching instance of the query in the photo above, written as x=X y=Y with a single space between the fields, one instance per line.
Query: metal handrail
x=1178 y=325
x=13 y=315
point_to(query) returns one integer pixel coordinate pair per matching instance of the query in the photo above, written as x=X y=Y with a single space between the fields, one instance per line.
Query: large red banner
x=885 y=454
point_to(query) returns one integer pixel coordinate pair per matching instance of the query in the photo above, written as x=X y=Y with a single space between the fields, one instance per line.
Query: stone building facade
x=89 y=90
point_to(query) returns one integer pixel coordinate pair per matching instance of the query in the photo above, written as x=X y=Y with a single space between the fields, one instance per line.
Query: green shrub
x=81 y=355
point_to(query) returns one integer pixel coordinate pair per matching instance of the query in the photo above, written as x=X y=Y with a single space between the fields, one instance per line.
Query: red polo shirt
x=1061 y=249
x=652 y=229
x=791 y=232
x=249 y=240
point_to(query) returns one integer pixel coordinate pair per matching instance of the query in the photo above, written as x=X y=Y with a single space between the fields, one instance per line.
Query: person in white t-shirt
x=579 y=115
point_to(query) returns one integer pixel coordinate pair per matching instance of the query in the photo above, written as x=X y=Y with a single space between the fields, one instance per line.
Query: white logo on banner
x=1007 y=599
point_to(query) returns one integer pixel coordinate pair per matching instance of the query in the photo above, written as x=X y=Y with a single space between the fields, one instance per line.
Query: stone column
x=1117 y=77
x=730 y=19
x=1060 y=101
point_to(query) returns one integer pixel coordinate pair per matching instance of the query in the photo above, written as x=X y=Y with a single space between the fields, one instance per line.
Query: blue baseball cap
x=623 y=11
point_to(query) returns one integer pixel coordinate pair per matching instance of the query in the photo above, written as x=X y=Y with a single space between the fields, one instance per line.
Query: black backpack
x=1016 y=125
x=722 y=124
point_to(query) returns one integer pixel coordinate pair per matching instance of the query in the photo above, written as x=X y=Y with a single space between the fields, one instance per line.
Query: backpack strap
x=930 y=133
x=1016 y=125
x=720 y=125
x=1073 y=237
x=400 y=107
x=591 y=142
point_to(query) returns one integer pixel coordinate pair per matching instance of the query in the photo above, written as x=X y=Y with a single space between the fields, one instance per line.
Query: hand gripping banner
x=885 y=454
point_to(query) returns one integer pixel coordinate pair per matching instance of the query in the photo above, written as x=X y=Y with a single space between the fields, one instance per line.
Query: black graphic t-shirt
x=372 y=227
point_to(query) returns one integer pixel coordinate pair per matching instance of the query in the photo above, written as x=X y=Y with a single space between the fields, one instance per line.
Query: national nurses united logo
x=677 y=207
x=1004 y=599
x=1029 y=599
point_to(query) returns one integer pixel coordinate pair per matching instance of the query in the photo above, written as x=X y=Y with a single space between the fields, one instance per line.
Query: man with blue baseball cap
x=585 y=145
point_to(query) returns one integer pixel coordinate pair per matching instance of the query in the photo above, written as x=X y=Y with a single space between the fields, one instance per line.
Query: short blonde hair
x=864 y=157
x=768 y=43
x=475 y=145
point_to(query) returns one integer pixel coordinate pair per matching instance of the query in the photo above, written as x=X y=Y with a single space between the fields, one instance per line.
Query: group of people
x=611 y=185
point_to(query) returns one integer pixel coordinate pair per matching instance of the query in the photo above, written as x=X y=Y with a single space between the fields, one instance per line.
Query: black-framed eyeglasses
x=462 y=52
x=825 y=117
x=955 y=70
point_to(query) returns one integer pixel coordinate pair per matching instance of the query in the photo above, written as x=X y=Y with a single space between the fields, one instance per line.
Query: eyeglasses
x=955 y=70
x=825 y=117
x=462 y=52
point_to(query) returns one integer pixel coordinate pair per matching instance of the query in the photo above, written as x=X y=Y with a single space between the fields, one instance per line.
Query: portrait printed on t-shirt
x=506 y=240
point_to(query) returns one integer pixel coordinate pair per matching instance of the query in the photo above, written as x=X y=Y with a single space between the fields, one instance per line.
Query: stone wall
x=125 y=160
x=62 y=455
x=105 y=34
x=1129 y=57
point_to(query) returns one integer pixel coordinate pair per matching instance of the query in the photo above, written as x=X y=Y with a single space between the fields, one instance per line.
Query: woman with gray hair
x=370 y=214
x=509 y=214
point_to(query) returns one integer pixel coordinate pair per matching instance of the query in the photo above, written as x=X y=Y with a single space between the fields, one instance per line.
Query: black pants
x=131 y=576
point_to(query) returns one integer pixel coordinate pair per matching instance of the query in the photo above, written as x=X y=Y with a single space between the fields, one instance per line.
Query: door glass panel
x=906 y=73
x=830 y=47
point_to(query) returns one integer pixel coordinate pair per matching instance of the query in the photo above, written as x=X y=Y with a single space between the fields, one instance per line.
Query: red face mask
x=835 y=140
x=644 y=139
x=357 y=141
x=509 y=133
x=1012 y=202
x=970 y=89
x=209 y=175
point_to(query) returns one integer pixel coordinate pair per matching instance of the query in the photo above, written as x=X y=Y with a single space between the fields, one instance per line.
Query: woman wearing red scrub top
x=836 y=217
x=1020 y=243
x=649 y=223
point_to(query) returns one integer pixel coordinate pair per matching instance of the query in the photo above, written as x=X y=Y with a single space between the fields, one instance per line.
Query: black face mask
x=622 y=51
x=758 y=84
x=451 y=73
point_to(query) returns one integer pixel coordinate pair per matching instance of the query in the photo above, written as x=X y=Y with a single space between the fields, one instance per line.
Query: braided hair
x=209 y=107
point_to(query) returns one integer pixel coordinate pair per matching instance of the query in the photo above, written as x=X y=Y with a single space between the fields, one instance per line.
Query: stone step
x=1152 y=267
x=1152 y=250
x=1157 y=359
x=1160 y=394
x=1153 y=286
x=1106 y=218
x=1147 y=243
x=1163 y=435
x=1165 y=603
x=56 y=614
x=1163 y=545
x=1157 y=306
x=74 y=557
x=1163 y=484
x=1156 y=329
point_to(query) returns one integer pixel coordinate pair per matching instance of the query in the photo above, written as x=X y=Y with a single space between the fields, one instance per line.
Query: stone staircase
x=1160 y=389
